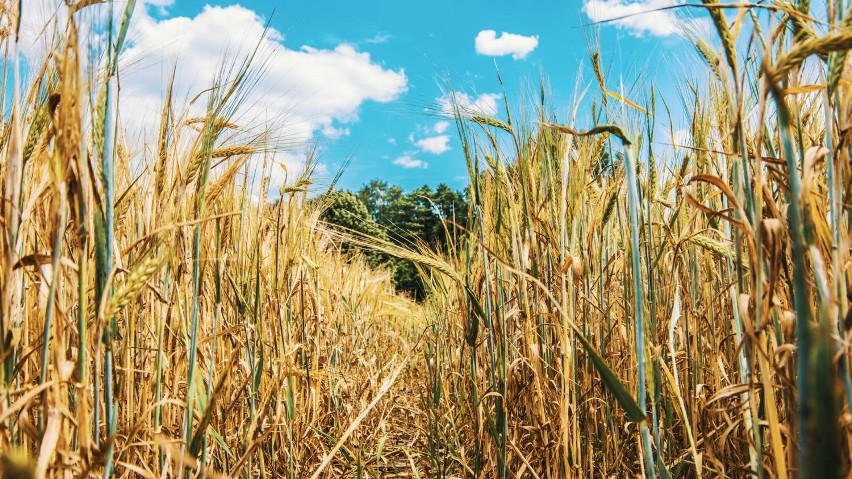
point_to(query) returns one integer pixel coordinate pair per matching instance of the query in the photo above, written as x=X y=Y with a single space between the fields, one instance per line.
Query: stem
x=632 y=203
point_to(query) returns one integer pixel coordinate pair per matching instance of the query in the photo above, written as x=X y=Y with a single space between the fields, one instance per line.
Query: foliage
x=422 y=213
x=434 y=219
x=344 y=209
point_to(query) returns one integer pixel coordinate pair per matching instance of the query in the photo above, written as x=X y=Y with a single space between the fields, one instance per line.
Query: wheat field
x=623 y=302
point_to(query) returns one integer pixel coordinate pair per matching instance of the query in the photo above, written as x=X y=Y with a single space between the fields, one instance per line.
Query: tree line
x=424 y=217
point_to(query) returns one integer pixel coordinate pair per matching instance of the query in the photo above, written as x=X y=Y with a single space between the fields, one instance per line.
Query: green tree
x=342 y=208
x=436 y=218
x=373 y=196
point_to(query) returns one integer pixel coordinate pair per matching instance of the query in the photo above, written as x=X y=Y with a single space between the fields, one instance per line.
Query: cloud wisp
x=441 y=127
x=484 y=104
x=643 y=17
x=408 y=162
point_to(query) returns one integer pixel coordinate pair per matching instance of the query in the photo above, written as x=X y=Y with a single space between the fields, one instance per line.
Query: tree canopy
x=432 y=217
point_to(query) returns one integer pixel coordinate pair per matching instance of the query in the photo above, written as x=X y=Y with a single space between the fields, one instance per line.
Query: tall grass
x=746 y=376
x=627 y=302
x=148 y=363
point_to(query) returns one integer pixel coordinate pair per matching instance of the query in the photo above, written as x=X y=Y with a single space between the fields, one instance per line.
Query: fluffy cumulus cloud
x=407 y=162
x=644 y=16
x=302 y=92
x=310 y=88
x=484 y=104
x=434 y=144
x=433 y=140
x=519 y=46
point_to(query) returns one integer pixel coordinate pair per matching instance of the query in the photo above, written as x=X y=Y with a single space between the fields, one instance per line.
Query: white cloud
x=379 y=38
x=441 y=126
x=681 y=138
x=287 y=166
x=302 y=92
x=42 y=19
x=434 y=144
x=310 y=87
x=644 y=17
x=39 y=20
x=392 y=141
x=159 y=4
x=485 y=104
x=408 y=162
x=488 y=43
x=333 y=133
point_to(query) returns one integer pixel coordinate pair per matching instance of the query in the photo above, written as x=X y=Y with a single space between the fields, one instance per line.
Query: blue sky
x=363 y=81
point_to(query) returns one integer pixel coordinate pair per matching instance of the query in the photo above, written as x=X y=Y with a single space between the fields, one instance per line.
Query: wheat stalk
x=491 y=121
x=832 y=42
x=134 y=283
